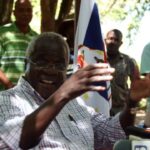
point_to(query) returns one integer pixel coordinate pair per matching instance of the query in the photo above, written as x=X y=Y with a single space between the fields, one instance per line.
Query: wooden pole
x=77 y=8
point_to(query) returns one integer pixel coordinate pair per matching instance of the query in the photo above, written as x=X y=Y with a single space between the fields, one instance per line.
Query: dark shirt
x=124 y=70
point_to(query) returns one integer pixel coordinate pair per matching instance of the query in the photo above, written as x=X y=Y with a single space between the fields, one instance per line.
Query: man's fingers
x=100 y=78
x=96 y=65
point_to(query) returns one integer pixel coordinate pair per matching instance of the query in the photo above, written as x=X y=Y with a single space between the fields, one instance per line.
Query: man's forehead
x=23 y=3
x=111 y=33
x=114 y=35
x=47 y=53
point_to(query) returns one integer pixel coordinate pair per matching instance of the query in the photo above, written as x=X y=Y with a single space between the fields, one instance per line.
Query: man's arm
x=134 y=70
x=127 y=116
x=5 y=81
x=140 y=88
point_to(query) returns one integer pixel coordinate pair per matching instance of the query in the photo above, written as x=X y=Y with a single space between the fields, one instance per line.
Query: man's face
x=113 y=42
x=47 y=71
x=23 y=12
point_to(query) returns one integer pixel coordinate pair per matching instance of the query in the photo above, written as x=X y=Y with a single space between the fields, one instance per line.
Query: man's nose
x=113 y=40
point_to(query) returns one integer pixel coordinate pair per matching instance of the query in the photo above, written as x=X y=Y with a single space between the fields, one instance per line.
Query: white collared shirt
x=75 y=127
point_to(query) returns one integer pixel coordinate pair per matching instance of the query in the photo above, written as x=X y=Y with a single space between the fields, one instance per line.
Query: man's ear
x=121 y=43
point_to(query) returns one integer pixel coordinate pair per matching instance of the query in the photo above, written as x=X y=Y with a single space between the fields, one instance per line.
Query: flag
x=89 y=48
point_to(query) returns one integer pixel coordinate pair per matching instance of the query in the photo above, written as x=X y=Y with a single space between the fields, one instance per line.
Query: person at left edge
x=14 y=39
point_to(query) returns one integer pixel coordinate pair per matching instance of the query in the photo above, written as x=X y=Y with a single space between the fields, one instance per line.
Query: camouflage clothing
x=124 y=66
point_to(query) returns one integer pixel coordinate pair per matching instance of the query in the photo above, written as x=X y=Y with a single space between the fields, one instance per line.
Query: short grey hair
x=36 y=43
x=117 y=32
x=19 y=2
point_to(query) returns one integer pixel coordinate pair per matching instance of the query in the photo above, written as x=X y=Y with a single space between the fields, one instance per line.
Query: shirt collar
x=17 y=29
x=119 y=56
x=26 y=87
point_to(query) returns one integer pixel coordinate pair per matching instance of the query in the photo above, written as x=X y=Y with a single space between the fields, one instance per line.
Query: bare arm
x=134 y=73
x=127 y=117
x=5 y=81
x=140 y=88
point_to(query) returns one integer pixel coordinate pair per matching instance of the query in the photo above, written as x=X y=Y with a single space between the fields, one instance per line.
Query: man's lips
x=51 y=80
x=48 y=82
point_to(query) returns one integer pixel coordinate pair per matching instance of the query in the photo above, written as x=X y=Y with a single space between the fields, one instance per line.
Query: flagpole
x=77 y=8
x=76 y=16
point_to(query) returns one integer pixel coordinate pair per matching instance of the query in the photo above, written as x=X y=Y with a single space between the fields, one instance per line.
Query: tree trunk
x=64 y=11
x=48 y=13
x=5 y=11
x=48 y=9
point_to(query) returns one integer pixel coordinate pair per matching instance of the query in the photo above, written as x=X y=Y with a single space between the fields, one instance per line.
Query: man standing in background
x=14 y=40
x=125 y=67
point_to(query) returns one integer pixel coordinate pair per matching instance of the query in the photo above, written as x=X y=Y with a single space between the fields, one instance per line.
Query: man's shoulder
x=128 y=59
x=147 y=47
x=6 y=27
x=33 y=32
x=148 y=44
x=6 y=93
x=125 y=56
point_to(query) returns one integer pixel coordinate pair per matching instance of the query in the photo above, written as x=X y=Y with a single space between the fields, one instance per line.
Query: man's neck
x=23 y=28
x=113 y=56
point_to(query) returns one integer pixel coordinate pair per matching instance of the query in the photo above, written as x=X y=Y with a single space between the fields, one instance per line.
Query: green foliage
x=130 y=11
x=142 y=104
